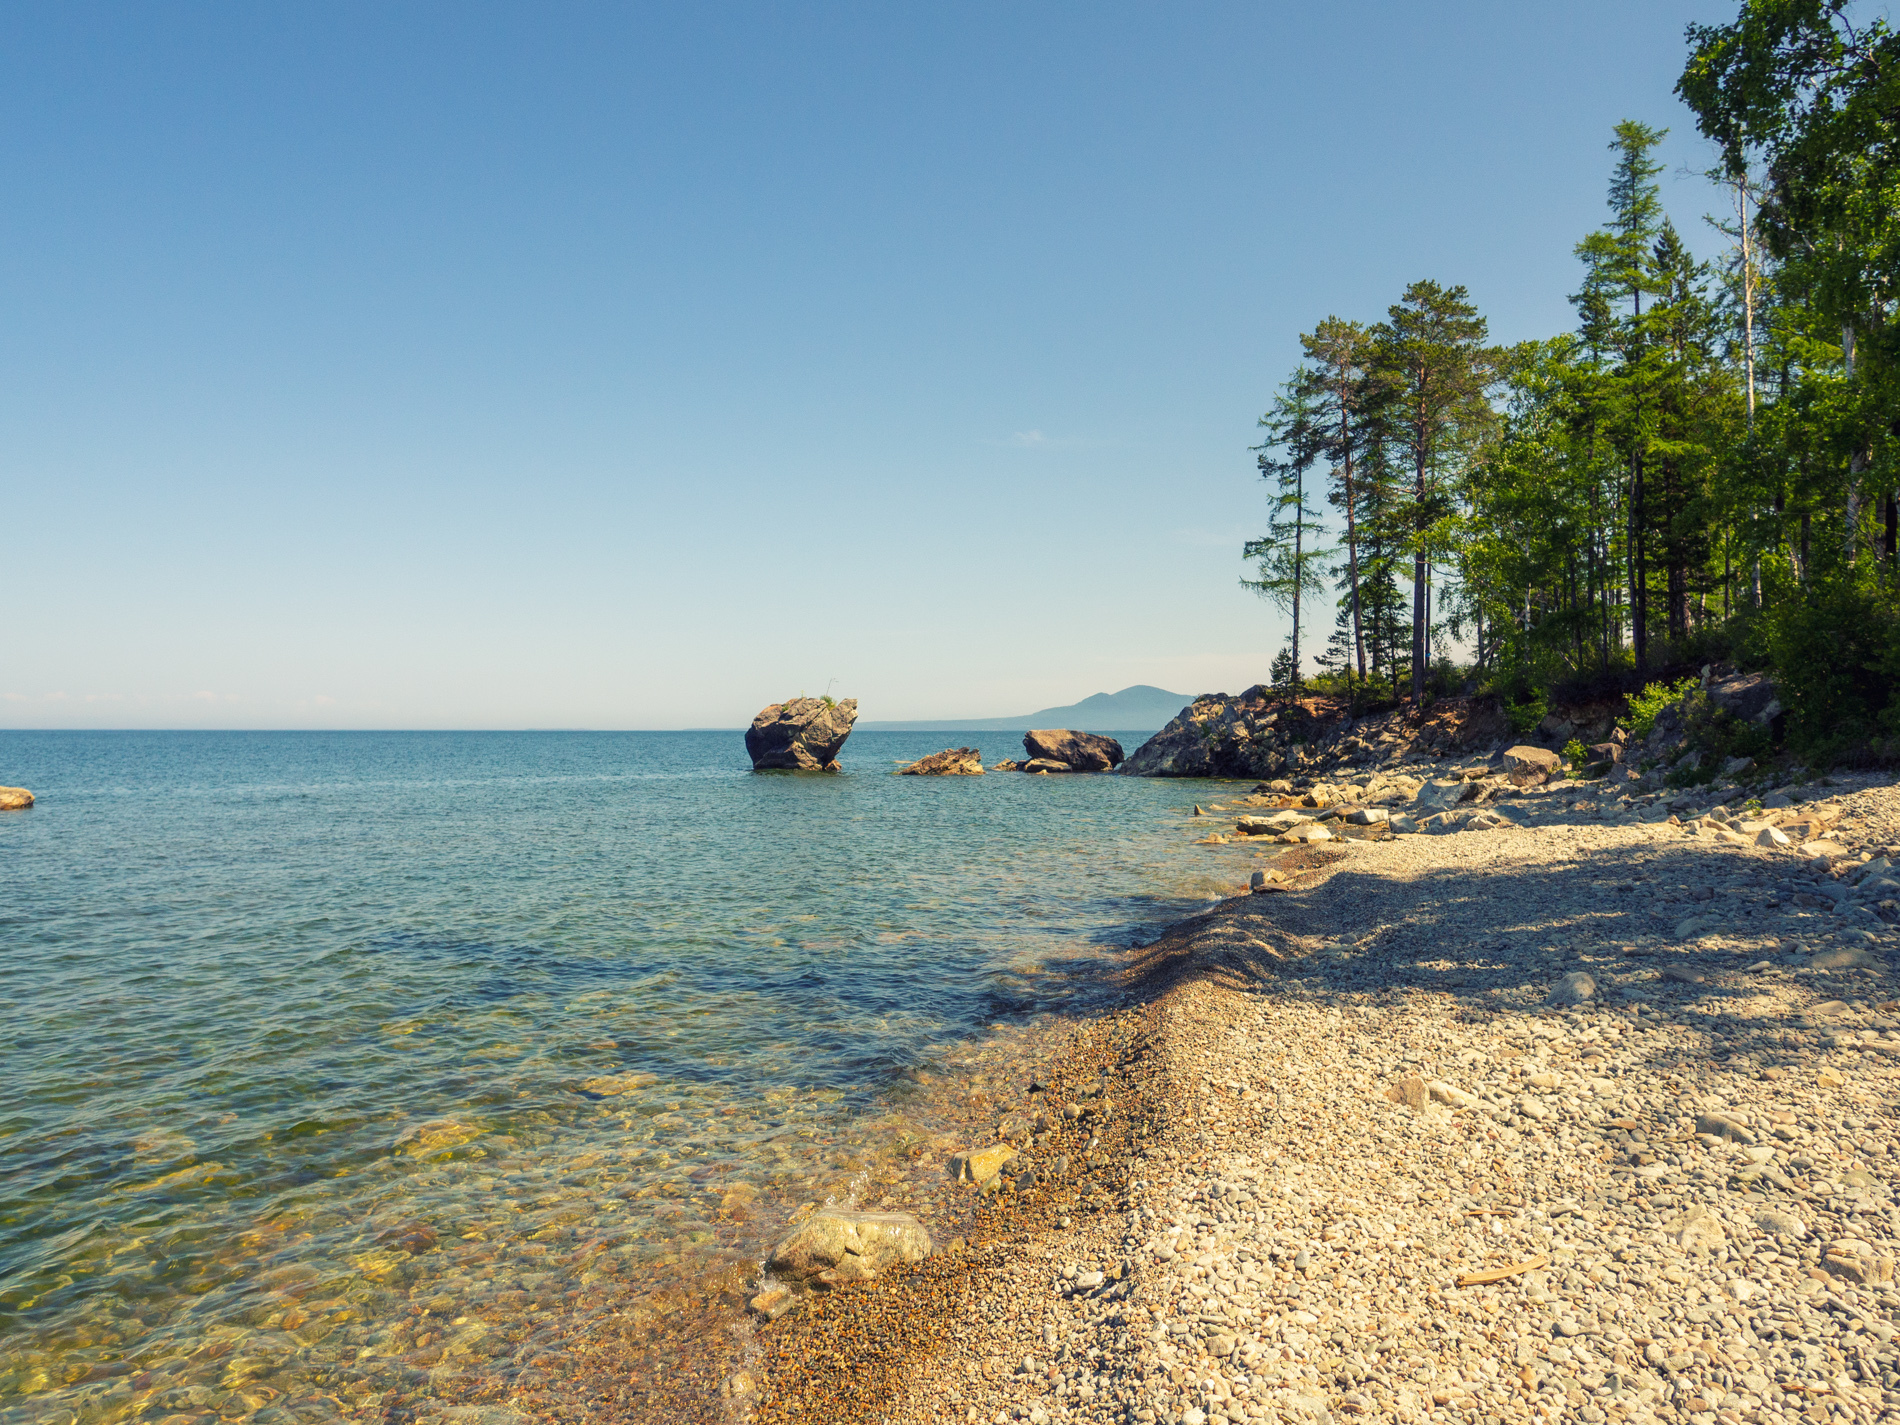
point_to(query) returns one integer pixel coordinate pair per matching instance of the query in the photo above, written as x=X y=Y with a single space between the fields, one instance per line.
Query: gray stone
x=1081 y=751
x=1699 y=1231
x=1573 y=988
x=1844 y=959
x=1720 y=1125
x=1777 y=1223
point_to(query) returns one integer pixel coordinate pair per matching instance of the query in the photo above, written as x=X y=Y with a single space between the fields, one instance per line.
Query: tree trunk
x=1857 y=462
x=1639 y=595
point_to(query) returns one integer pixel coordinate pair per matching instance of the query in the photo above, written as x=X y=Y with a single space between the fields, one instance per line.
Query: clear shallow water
x=307 y=1031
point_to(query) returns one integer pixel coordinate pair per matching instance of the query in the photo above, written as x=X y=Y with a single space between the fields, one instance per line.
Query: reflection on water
x=345 y=1069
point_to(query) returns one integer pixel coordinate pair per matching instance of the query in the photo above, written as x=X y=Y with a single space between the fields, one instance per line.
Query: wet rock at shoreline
x=835 y=1248
x=15 y=799
x=1079 y=751
x=951 y=762
x=979 y=1165
x=1043 y=766
x=802 y=735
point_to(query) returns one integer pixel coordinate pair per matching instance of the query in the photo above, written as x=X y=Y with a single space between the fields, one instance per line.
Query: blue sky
x=604 y=366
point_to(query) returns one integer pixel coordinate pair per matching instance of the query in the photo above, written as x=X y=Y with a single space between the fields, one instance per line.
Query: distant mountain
x=1138 y=709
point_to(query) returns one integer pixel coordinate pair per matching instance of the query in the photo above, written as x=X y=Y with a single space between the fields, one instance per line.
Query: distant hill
x=1139 y=708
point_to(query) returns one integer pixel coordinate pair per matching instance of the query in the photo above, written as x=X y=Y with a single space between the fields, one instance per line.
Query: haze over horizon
x=496 y=367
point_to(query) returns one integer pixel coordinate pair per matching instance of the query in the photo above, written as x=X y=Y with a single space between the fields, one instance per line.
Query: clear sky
x=464 y=365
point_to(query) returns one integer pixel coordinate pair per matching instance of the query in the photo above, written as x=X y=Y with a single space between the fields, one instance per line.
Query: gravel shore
x=1351 y=1160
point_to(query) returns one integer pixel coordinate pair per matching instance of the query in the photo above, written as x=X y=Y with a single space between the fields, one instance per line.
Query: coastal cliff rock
x=1259 y=734
x=803 y=735
x=15 y=799
x=833 y=1248
x=951 y=762
x=1080 y=751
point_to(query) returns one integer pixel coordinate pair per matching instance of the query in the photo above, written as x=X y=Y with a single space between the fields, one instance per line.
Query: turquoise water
x=305 y=1031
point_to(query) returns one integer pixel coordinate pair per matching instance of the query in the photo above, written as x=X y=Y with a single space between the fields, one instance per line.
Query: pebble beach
x=1584 y=1113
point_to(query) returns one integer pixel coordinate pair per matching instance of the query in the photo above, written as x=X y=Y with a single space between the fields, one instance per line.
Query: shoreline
x=1257 y=1159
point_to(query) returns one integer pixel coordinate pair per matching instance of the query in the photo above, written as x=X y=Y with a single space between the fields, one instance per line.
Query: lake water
x=342 y=1069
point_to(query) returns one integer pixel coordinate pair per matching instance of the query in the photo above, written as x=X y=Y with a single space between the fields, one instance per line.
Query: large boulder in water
x=833 y=1247
x=1080 y=751
x=951 y=762
x=803 y=735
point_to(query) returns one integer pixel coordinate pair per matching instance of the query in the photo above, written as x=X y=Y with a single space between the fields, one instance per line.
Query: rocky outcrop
x=834 y=1247
x=15 y=799
x=1043 y=766
x=803 y=735
x=1079 y=751
x=951 y=762
x=1749 y=697
x=1259 y=735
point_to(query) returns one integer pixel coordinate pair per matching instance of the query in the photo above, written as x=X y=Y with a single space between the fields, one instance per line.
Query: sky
x=614 y=366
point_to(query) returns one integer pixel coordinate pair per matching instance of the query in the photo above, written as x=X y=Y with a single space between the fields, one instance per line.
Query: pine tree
x=1290 y=557
x=1435 y=370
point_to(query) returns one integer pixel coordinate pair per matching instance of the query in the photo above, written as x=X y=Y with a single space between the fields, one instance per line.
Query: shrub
x=1645 y=706
x=1836 y=654
x=1526 y=715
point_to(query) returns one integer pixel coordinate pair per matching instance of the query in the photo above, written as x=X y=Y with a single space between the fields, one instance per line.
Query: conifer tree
x=1434 y=370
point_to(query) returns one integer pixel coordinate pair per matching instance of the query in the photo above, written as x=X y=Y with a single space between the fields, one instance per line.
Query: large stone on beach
x=833 y=1248
x=803 y=735
x=15 y=799
x=951 y=762
x=1531 y=766
x=1082 y=751
x=1443 y=795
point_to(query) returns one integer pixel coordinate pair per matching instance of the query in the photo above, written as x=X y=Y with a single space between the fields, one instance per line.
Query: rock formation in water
x=951 y=762
x=15 y=799
x=802 y=735
x=1078 y=751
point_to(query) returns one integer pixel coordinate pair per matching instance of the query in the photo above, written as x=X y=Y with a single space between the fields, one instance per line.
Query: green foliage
x=1523 y=716
x=1837 y=657
x=1703 y=471
x=1575 y=753
x=1646 y=705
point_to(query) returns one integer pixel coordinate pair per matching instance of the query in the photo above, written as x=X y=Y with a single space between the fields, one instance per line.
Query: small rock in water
x=834 y=1247
x=979 y=1165
x=773 y=1302
x=15 y=799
